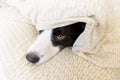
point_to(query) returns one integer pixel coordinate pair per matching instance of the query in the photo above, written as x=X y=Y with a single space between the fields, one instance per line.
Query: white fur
x=43 y=47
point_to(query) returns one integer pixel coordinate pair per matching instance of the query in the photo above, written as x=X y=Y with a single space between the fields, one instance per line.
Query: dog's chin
x=48 y=55
x=42 y=56
x=45 y=59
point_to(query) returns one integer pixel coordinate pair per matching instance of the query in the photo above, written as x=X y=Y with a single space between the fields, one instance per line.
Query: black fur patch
x=71 y=33
x=40 y=31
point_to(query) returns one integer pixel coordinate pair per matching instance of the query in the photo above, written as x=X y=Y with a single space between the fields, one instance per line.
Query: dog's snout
x=31 y=57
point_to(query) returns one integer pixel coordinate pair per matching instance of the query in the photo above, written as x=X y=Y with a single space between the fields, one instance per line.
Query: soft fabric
x=16 y=35
x=100 y=41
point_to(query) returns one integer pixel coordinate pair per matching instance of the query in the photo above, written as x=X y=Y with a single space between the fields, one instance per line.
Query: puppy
x=51 y=42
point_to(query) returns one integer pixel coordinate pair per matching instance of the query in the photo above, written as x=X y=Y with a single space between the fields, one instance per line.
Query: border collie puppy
x=50 y=42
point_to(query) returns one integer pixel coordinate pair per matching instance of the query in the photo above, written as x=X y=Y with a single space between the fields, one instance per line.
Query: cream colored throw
x=102 y=25
x=97 y=48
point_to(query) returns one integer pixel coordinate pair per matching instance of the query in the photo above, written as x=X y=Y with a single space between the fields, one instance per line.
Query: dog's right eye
x=60 y=37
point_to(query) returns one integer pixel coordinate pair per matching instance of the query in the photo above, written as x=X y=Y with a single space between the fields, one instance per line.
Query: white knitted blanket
x=101 y=17
x=16 y=35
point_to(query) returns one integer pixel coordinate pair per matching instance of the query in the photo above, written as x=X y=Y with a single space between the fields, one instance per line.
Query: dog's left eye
x=60 y=37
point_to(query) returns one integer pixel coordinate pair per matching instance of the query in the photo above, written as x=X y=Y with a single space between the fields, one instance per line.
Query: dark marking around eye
x=66 y=36
x=40 y=31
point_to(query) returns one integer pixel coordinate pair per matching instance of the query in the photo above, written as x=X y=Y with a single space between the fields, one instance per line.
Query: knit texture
x=100 y=41
x=16 y=35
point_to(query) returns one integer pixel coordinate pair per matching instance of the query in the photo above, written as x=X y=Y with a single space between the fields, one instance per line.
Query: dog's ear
x=83 y=24
x=40 y=31
x=78 y=27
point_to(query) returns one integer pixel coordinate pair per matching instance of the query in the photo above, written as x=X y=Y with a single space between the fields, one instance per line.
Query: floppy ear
x=94 y=45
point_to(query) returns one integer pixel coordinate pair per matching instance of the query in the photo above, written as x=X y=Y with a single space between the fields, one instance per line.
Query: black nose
x=32 y=58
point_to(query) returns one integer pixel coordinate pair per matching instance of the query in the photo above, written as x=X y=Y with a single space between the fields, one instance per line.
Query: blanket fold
x=96 y=43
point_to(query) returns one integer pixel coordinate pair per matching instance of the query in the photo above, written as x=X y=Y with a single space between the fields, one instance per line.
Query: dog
x=51 y=42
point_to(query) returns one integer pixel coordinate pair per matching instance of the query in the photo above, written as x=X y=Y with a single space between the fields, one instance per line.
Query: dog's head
x=50 y=42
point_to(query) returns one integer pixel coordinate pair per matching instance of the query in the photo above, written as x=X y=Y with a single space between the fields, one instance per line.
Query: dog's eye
x=60 y=37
